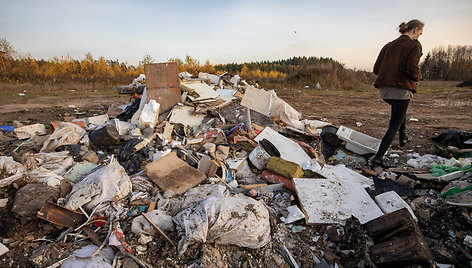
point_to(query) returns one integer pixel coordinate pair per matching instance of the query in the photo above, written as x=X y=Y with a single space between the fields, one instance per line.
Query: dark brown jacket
x=397 y=64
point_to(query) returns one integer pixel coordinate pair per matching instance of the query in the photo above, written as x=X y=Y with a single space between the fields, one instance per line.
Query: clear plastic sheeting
x=424 y=161
x=240 y=221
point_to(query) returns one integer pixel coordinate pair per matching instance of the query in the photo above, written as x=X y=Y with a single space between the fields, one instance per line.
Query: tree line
x=453 y=63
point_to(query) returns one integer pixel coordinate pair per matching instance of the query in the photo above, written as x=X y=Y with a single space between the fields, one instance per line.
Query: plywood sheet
x=335 y=199
x=161 y=75
x=171 y=173
x=162 y=83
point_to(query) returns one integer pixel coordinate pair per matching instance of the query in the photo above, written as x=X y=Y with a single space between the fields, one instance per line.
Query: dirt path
x=429 y=114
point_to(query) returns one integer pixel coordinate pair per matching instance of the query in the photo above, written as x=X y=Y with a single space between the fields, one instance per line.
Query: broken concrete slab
x=335 y=199
x=171 y=173
x=31 y=197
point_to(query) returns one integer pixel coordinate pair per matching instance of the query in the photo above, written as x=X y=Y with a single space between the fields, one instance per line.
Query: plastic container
x=358 y=142
x=262 y=153
x=7 y=128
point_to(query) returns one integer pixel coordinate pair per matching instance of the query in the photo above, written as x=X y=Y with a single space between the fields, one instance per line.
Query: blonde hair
x=412 y=24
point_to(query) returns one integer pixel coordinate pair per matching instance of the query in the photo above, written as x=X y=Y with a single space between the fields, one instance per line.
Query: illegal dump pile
x=213 y=172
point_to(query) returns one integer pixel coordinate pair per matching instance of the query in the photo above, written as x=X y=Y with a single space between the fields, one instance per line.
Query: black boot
x=404 y=139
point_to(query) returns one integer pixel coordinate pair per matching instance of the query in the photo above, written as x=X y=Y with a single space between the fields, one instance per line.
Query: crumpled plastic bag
x=141 y=226
x=56 y=162
x=65 y=134
x=112 y=180
x=240 y=221
x=197 y=194
x=10 y=168
x=425 y=161
x=285 y=112
x=79 y=258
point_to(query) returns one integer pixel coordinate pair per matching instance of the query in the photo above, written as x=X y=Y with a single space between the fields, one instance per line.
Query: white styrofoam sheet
x=289 y=150
x=183 y=115
x=226 y=94
x=333 y=200
x=205 y=91
x=258 y=100
x=343 y=172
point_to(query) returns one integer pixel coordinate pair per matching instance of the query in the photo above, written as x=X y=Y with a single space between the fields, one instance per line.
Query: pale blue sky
x=351 y=32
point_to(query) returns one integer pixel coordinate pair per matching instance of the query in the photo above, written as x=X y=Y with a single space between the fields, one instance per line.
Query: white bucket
x=259 y=157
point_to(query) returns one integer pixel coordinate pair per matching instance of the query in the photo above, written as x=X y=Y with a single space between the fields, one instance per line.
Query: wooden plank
x=398 y=240
x=171 y=173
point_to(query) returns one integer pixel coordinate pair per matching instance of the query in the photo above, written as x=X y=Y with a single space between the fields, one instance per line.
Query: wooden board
x=171 y=173
x=161 y=75
x=398 y=240
x=162 y=83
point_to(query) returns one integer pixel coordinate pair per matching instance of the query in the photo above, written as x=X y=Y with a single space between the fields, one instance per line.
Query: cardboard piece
x=171 y=173
x=335 y=199
x=162 y=83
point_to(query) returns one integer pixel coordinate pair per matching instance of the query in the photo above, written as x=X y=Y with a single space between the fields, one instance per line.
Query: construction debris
x=213 y=172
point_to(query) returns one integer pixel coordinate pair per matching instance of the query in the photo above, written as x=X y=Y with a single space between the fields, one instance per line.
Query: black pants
x=397 y=123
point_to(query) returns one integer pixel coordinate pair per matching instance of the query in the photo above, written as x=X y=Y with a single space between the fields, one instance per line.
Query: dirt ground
x=432 y=111
x=436 y=108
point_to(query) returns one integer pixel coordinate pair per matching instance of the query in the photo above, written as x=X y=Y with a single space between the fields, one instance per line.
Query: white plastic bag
x=149 y=115
x=112 y=180
x=240 y=221
x=65 y=134
x=141 y=226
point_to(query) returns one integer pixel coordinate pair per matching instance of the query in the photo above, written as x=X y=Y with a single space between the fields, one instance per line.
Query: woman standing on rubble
x=398 y=73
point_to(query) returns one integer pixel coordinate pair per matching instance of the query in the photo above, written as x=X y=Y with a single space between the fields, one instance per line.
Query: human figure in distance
x=397 y=70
